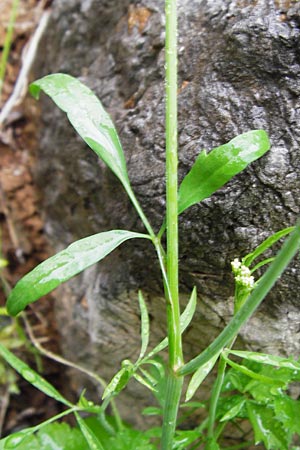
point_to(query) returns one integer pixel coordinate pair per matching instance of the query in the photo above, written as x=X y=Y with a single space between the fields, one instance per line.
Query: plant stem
x=215 y=397
x=285 y=255
x=140 y=212
x=174 y=382
x=175 y=347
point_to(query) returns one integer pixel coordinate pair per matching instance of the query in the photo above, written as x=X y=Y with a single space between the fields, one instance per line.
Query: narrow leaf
x=211 y=171
x=264 y=358
x=144 y=382
x=91 y=438
x=267 y=243
x=185 y=320
x=199 y=376
x=31 y=376
x=117 y=383
x=64 y=265
x=256 y=376
x=234 y=411
x=152 y=411
x=261 y=264
x=88 y=117
x=145 y=329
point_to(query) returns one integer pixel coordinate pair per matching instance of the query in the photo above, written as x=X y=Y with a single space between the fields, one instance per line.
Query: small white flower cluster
x=242 y=274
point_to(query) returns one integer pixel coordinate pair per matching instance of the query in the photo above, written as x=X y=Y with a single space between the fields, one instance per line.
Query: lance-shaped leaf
x=91 y=438
x=31 y=376
x=88 y=117
x=211 y=171
x=199 y=376
x=263 y=358
x=267 y=243
x=145 y=326
x=64 y=265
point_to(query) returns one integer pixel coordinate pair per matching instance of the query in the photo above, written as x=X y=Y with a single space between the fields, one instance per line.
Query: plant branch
x=286 y=254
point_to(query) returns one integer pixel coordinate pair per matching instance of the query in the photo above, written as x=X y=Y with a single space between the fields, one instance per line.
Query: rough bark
x=239 y=69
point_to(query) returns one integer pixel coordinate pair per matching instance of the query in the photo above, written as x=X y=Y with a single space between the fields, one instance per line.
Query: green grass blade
x=31 y=376
x=145 y=328
x=211 y=171
x=64 y=265
x=88 y=117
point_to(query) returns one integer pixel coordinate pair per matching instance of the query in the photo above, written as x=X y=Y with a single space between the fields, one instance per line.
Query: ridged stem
x=174 y=382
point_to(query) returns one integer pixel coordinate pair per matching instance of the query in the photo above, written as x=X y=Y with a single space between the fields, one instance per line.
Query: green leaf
x=185 y=320
x=54 y=436
x=211 y=171
x=267 y=243
x=212 y=444
x=64 y=265
x=287 y=411
x=129 y=439
x=256 y=376
x=15 y=440
x=232 y=405
x=271 y=240
x=264 y=358
x=144 y=382
x=266 y=428
x=91 y=438
x=145 y=329
x=261 y=264
x=234 y=411
x=152 y=411
x=199 y=376
x=88 y=117
x=31 y=376
x=118 y=382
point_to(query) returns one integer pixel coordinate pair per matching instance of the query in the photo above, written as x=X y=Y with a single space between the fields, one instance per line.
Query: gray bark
x=239 y=69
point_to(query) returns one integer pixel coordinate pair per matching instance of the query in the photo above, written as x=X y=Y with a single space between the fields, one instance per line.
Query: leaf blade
x=91 y=438
x=31 y=376
x=199 y=376
x=211 y=171
x=264 y=358
x=88 y=117
x=267 y=243
x=64 y=265
x=145 y=325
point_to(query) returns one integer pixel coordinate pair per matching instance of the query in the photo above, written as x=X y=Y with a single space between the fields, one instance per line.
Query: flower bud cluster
x=242 y=274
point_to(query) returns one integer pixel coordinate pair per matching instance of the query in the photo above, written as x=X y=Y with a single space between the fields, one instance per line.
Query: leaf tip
x=35 y=90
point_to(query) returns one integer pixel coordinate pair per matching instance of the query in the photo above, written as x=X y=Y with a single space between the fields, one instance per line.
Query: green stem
x=175 y=347
x=286 y=254
x=215 y=397
x=7 y=42
x=174 y=382
x=140 y=212
x=173 y=394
